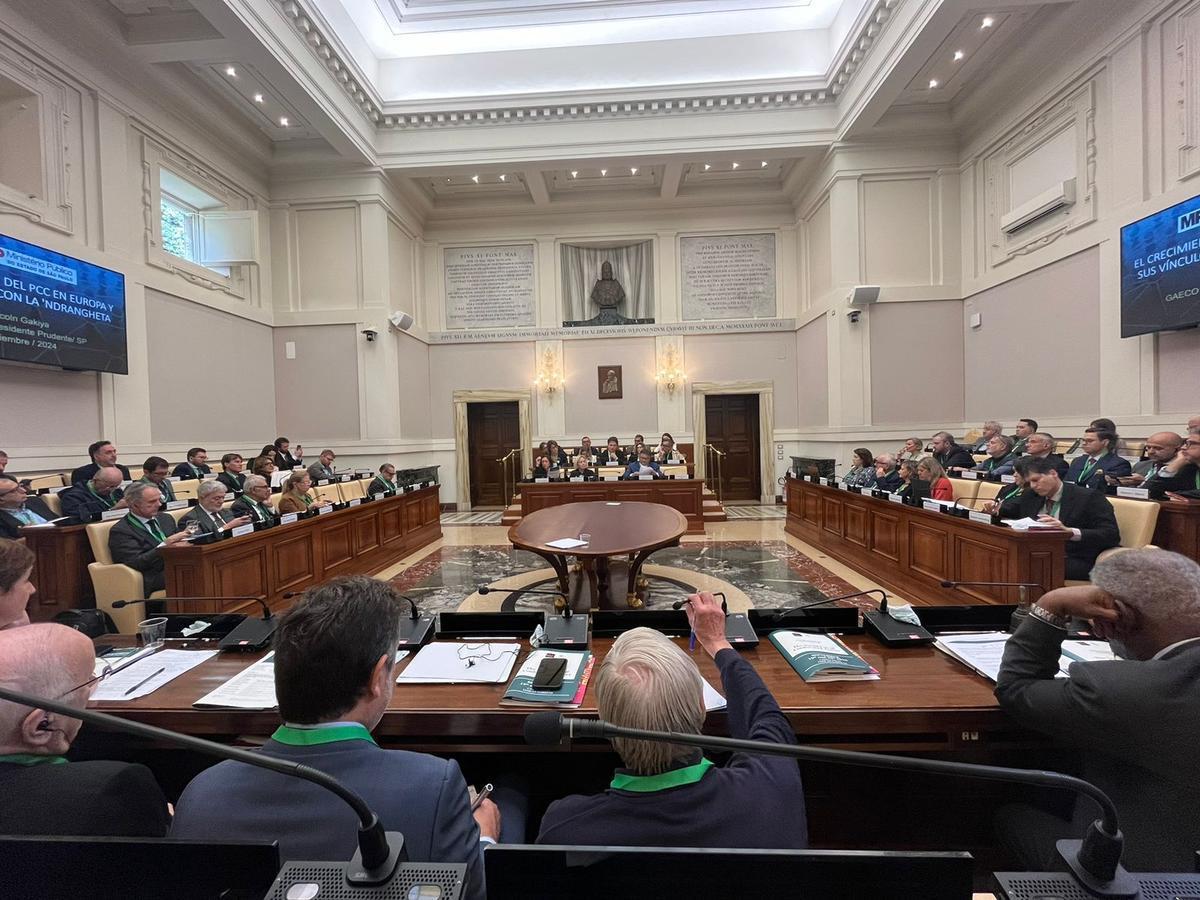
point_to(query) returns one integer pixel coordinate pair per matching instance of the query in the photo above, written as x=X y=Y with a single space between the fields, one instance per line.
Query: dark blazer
x=205 y=519
x=1009 y=499
x=917 y=491
x=82 y=798
x=243 y=507
x=231 y=481
x=185 y=470
x=88 y=472
x=318 y=471
x=993 y=466
x=419 y=795
x=379 y=483
x=137 y=548
x=9 y=524
x=890 y=482
x=286 y=460
x=751 y=801
x=1136 y=724
x=166 y=489
x=587 y=475
x=955 y=456
x=631 y=471
x=81 y=503
x=1089 y=511
x=615 y=459
x=1109 y=464
x=1186 y=481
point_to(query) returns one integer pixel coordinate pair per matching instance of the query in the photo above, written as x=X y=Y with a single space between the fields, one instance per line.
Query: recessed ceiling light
x=503 y=177
x=258 y=98
x=231 y=71
x=735 y=165
x=603 y=173
x=574 y=173
x=283 y=120
x=633 y=170
x=958 y=54
x=475 y=178
x=987 y=22
x=707 y=166
x=933 y=83
x=763 y=164
x=449 y=180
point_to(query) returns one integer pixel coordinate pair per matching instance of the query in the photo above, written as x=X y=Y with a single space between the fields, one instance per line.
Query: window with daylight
x=202 y=229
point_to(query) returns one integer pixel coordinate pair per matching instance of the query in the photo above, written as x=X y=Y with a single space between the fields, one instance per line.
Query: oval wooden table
x=634 y=530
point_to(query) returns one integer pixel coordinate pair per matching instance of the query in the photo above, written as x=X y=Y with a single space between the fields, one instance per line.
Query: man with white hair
x=255 y=501
x=43 y=793
x=990 y=429
x=1136 y=719
x=672 y=796
x=207 y=513
x=137 y=540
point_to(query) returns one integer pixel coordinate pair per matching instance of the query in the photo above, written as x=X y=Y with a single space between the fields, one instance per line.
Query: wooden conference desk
x=61 y=556
x=910 y=550
x=684 y=495
x=924 y=701
x=1178 y=527
x=358 y=540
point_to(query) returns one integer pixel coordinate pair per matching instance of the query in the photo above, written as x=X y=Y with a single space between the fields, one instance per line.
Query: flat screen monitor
x=56 y=310
x=1160 y=271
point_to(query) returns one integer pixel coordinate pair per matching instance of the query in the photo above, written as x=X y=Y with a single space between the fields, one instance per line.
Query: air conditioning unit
x=1058 y=197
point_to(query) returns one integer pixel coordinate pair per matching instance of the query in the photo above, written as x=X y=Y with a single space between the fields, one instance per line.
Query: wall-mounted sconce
x=549 y=373
x=670 y=375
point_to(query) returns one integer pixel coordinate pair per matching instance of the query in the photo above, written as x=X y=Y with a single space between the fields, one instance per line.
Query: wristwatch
x=1039 y=612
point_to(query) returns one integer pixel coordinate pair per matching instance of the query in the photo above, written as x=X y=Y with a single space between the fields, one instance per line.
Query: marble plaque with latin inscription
x=728 y=276
x=489 y=287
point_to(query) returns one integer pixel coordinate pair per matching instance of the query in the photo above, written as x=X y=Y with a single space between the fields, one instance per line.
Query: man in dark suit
x=154 y=471
x=949 y=454
x=1098 y=460
x=323 y=468
x=103 y=455
x=1000 y=456
x=1184 y=470
x=887 y=476
x=612 y=455
x=233 y=477
x=255 y=502
x=1038 y=445
x=196 y=465
x=672 y=795
x=100 y=494
x=1087 y=514
x=18 y=508
x=1024 y=429
x=334 y=677
x=385 y=481
x=207 y=513
x=137 y=540
x=43 y=793
x=1134 y=719
x=643 y=465
x=284 y=458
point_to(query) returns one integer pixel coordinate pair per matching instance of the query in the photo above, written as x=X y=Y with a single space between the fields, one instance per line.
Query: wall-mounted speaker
x=400 y=320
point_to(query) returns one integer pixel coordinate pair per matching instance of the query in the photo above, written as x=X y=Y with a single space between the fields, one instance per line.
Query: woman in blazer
x=295 y=497
x=862 y=470
x=930 y=470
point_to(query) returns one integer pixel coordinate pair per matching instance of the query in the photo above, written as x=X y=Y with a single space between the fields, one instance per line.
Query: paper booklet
x=822 y=657
x=575 y=680
x=983 y=652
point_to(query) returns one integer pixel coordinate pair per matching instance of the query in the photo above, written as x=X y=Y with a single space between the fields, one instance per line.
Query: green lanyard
x=646 y=784
x=250 y=501
x=107 y=501
x=903 y=488
x=308 y=737
x=150 y=528
x=32 y=759
x=1088 y=468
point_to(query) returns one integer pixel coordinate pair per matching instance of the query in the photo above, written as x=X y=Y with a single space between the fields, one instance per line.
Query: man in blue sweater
x=334 y=675
x=668 y=795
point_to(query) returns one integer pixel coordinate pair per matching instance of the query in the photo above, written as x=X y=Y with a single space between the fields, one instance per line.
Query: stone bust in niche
x=609 y=295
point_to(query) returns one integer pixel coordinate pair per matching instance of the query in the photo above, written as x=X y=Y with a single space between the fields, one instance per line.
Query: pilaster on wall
x=125 y=399
x=849 y=348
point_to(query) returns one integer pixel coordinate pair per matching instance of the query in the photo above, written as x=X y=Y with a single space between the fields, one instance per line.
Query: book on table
x=983 y=652
x=822 y=657
x=574 y=685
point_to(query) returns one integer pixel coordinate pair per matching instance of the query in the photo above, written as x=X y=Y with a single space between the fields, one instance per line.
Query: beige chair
x=964 y=489
x=46 y=481
x=1136 y=520
x=216 y=467
x=328 y=492
x=353 y=490
x=987 y=491
x=972 y=436
x=186 y=489
x=54 y=502
x=113 y=581
x=178 y=514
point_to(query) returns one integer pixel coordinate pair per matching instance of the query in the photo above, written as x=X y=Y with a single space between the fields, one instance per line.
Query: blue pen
x=692 y=642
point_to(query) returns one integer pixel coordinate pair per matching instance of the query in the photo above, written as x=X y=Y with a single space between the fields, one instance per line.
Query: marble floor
x=751 y=559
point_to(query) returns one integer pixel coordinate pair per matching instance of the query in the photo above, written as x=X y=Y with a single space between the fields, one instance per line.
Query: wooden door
x=732 y=427
x=493 y=429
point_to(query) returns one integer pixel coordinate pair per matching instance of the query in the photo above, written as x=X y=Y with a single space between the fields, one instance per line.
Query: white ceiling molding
x=329 y=51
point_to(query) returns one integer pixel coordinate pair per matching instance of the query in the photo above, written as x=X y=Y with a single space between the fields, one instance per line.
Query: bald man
x=43 y=793
x=1161 y=448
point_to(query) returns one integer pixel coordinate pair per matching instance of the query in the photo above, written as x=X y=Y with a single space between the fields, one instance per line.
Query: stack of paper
x=984 y=652
x=465 y=663
x=575 y=680
x=149 y=674
x=251 y=688
x=1028 y=524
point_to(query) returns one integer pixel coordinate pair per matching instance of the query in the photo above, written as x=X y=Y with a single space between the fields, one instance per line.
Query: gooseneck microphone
x=561 y=631
x=417 y=629
x=1095 y=861
x=379 y=852
x=1023 y=605
x=250 y=635
x=784 y=613
x=119 y=604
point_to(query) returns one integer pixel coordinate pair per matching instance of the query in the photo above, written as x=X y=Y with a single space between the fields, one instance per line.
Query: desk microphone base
x=416 y=632
x=893 y=633
x=566 y=634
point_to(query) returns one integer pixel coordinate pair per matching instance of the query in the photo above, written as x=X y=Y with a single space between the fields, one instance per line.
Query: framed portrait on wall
x=608 y=378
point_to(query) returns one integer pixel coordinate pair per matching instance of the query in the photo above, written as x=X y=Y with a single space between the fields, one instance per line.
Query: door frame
x=462 y=464
x=766 y=427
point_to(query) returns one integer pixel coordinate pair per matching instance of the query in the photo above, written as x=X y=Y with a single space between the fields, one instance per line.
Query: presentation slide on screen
x=1160 y=270
x=60 y=311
